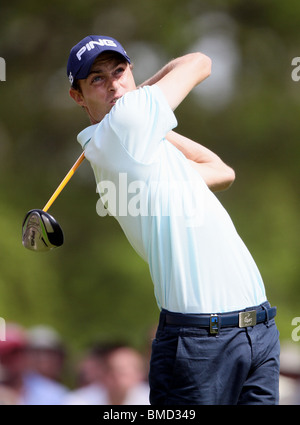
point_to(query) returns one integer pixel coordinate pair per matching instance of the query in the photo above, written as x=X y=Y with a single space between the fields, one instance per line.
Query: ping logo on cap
x=91 y=45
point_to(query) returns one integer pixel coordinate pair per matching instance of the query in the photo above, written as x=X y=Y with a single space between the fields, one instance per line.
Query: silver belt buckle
x=214 y=324
x=247 y=318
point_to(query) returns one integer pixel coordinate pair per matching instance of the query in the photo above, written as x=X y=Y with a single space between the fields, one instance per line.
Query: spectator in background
x=47 y=352
x=19 y=385
x=13 y=363
x=89 y=376
x=118 y=377
x=289 y=383
x=124 y=377
x=89 y=369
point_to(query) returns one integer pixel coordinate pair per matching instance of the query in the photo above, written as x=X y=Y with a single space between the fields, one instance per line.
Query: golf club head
x=41 y=232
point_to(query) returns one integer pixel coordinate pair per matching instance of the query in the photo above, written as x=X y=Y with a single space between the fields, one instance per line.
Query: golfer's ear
x=77 y=96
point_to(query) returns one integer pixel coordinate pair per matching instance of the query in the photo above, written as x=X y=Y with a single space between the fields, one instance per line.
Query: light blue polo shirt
x=198 y=262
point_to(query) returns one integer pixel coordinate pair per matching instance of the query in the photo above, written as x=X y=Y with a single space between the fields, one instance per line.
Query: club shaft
x=64 y=182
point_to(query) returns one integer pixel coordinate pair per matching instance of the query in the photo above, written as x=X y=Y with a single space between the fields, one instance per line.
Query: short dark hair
x=76 y=85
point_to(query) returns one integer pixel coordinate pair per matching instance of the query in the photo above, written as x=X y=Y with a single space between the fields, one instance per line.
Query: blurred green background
x=96 y=286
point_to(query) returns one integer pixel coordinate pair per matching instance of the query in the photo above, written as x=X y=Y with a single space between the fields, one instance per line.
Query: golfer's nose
x=113 y=84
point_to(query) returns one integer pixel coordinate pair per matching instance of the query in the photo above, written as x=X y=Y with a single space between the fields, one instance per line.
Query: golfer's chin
x=96 y=117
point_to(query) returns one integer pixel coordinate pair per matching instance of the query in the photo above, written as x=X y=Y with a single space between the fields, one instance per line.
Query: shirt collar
x=85 y=135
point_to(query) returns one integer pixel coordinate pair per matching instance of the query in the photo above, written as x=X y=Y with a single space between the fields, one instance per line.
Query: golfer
x=217 y=341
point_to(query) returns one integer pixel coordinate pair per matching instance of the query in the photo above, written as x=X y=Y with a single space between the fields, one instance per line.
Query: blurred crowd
x=33 y=365
x=289 y=385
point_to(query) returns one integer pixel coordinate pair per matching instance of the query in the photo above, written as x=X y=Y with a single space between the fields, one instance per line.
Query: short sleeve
x=141 y=119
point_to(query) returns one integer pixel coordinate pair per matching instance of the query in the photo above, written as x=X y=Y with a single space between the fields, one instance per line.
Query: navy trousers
x=190 y=366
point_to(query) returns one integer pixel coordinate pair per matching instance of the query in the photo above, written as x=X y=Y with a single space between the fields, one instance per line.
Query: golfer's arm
x=217 y=175
x=180 y=76
x=162 y=72
x=183 y=75
x=176 y=80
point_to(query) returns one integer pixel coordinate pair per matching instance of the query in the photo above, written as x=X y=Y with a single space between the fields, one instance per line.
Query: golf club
x=40 y=231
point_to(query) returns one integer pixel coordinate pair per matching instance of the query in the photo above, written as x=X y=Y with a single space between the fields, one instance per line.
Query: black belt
x=215 y=322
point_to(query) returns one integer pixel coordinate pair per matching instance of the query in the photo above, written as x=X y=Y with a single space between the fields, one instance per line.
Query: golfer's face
x=105 y=84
